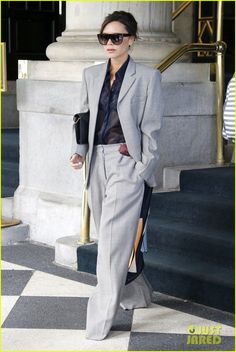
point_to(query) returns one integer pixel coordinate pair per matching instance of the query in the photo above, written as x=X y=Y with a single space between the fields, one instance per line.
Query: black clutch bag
x=81 y=125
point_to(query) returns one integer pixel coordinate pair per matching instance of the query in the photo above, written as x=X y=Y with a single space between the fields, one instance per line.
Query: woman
x=124 y=100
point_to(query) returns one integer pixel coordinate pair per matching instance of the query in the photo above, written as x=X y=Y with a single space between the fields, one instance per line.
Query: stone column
x=48 y=95
x=79 y=43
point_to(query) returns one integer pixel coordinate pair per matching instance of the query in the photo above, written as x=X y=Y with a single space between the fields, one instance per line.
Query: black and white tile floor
x=44 y=308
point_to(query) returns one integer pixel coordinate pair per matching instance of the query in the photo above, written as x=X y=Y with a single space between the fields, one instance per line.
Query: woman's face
x=117 y=51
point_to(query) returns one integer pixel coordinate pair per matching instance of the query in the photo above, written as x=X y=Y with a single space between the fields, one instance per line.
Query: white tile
x=60 y=340
x=7 y=303
x=43 y=284
x=161 y=319
x=11 y=266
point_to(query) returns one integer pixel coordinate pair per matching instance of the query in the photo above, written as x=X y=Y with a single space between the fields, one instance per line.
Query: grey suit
x=140 y=110
x=116 y=187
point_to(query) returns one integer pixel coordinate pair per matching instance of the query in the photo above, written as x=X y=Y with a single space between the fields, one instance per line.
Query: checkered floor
x=44 y=308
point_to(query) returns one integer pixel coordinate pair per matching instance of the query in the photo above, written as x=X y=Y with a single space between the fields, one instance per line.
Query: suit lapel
x=97 y=84
x=128 y=80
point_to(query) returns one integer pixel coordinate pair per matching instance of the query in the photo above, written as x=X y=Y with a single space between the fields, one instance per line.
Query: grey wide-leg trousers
x=115 y=198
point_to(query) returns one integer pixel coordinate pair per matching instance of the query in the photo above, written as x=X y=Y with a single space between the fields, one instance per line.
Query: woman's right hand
x=76 y=161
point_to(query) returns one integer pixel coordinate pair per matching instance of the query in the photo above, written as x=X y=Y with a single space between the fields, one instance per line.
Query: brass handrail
x=3 y=67
x=219 y=48
x=180 y=9
x=192 y=47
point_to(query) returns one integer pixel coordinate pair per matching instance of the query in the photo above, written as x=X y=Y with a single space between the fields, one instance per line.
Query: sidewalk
x=44 y=308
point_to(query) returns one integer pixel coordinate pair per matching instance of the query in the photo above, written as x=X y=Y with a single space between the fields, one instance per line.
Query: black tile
x=34 y=312
x=143 y=341
x=14 y=281
x=48 y=313
x=123 y=320
x=29 y=254
x=41 y=257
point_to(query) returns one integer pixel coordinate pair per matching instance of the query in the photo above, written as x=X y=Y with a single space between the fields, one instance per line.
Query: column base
x=149 y=52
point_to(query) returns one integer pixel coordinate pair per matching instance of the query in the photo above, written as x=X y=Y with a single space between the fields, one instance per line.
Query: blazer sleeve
x=150 y=128
x=81 y=149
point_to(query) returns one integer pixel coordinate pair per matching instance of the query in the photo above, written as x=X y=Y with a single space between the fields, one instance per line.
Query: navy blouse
x=108 y=128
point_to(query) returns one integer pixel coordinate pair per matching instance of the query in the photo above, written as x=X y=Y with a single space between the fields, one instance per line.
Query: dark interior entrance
x=204 y=29
x=28 y=27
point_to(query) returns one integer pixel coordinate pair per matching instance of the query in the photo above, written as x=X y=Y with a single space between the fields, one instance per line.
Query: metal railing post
x=85 y=212
x=219 y=85
x=3 y=67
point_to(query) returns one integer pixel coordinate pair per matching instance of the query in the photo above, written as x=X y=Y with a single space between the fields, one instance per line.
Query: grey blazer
x=140 y=108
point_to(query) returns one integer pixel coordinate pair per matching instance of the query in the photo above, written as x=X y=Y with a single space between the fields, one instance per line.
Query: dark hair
x=126 y=18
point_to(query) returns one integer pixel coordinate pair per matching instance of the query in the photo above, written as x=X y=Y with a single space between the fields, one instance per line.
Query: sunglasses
x=116 y=38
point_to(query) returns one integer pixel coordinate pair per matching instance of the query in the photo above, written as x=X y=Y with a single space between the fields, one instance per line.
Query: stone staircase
x=190 y=239
x=13 y=230
x=10 y=161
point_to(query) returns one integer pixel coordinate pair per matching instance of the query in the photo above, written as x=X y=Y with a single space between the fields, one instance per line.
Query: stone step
x=171 y=174
x=214 y=181
x=192 y=240
x=198 y=281
x=179 y=99
x=210 y=211
x=66 y=251
x=72 y=71
x=7 y=207
x=15 y=234
x=187 y=72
